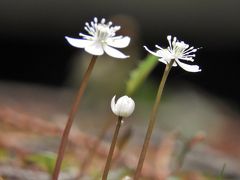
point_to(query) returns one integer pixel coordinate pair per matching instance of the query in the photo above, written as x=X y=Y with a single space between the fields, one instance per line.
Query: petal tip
x=169 y=37
x=66 y=37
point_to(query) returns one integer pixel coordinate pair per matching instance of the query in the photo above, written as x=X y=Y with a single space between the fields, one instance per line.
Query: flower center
x=179 y=48
x=102 y=32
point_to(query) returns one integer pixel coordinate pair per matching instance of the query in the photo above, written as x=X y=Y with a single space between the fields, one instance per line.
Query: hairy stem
x=152 y=121
x=64 y=139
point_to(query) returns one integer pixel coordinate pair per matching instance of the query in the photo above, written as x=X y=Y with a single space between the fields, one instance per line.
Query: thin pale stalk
x=64 y=139
x=113 y=144
x=152 y=121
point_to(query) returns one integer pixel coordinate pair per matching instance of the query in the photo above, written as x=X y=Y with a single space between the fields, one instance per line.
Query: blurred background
x=33 y=48
x=40 y=71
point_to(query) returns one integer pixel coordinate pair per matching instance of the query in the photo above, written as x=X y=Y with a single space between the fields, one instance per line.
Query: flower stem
x=113 y=144
x=152 y=121
x=72 y=113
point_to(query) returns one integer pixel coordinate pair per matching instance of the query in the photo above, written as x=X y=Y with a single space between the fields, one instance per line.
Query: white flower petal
x=187 y=67
x=113 y=105
x=95 y=49
x=165 y=53
x=124 y=106
x=79 y=43
x=187 y=58
x=177 y=50
x=174 y=64
x=101 y=37
x=163 y=60
x=131 y=106
x=119 y=43
x=167 y=61
x=114 y=52
x=153 y=53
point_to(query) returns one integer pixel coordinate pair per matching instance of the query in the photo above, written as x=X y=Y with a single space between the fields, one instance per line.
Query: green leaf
x=138 y=75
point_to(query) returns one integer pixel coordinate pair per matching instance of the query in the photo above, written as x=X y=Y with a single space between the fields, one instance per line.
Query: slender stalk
x=221 y=177
x=152 y=121
x=188 y=145
x=113 y=144
x=64 y=139
x=88 y=159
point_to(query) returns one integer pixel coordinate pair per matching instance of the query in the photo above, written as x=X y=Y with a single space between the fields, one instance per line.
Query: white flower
x=101 y=38
x=177 y=51
x=124 y=106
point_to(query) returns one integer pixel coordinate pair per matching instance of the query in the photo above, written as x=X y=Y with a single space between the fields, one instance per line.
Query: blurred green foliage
x=45 y=160
x=4 y=155
x=138 y=75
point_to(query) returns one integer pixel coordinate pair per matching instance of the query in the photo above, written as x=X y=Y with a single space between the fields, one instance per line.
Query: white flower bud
x=124 y=106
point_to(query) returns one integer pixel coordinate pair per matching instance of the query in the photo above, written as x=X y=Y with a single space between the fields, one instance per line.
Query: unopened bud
x=124 y=106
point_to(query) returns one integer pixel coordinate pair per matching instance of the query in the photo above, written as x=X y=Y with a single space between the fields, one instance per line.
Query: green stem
x=152 y=121
x=71 y=116
x=221 y=177
x=182 y=156
x=113 y=144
